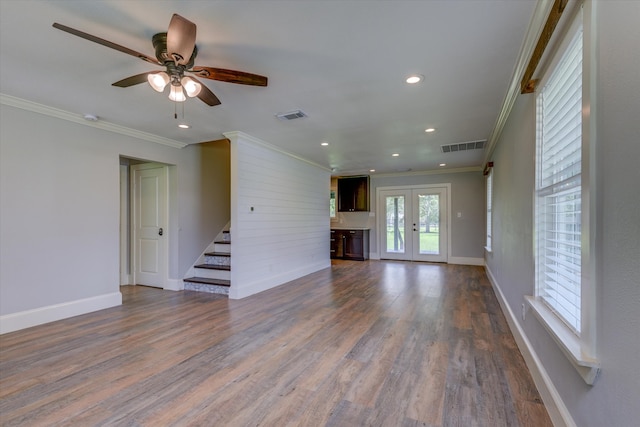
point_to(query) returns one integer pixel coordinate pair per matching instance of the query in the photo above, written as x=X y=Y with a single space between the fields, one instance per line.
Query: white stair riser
x=213 y=274
x=221 y=247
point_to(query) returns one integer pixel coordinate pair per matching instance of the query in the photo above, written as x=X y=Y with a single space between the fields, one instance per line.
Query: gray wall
x=613 y=399
x=60 y=208
x=467 y=196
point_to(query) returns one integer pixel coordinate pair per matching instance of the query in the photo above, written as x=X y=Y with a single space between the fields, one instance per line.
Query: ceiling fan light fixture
x=158 y=81
x=177 y=94
x=191 y=86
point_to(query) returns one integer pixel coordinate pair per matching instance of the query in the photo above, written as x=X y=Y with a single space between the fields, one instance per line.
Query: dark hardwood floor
x=376 y=343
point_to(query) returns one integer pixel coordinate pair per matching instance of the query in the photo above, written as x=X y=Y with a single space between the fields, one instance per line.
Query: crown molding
x=238 y=135
x=428 y=172
x=23 y=104
x=536 y=25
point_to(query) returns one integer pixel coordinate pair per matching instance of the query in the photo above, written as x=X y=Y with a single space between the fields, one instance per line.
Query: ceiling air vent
x=463 y=146
x=291 y=115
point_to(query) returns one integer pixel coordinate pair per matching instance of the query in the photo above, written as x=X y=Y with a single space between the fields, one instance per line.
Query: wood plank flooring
x=375 y=343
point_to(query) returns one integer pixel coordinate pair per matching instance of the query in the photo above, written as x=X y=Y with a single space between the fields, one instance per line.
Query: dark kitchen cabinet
x=353 y=194
x=350 y=244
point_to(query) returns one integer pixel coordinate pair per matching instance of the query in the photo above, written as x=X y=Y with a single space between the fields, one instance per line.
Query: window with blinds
x=489 y=207
x=558 y=187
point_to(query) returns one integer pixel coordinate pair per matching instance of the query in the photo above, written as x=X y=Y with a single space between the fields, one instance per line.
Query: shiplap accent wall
x=286 y=235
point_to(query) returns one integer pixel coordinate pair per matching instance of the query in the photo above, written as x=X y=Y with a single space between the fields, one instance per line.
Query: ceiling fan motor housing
x=160 y=45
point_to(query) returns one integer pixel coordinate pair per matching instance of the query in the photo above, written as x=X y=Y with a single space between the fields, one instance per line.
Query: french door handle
x=160 y=232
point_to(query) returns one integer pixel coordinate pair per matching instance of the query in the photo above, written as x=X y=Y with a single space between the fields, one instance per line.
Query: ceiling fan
x=176 y=51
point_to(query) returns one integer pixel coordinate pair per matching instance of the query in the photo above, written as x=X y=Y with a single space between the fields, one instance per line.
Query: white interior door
x=149 y=224
x=414 y=223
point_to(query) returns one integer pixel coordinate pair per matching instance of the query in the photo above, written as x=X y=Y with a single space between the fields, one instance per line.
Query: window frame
x=580 y=348
x=333 y=208
x=489 y=209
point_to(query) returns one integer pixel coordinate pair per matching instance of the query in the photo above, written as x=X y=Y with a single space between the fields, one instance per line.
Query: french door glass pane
x=429 y=224
x=395 y=224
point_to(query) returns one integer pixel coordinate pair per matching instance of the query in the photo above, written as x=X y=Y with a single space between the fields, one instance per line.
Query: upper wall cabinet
x=353 y=194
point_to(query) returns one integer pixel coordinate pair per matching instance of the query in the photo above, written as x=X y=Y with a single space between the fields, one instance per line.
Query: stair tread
x=222 y=242
x=208 y=281
x=213 y=266
x=225 y=254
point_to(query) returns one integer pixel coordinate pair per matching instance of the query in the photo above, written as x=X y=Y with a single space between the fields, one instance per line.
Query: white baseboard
x=374 y=256
x=174 y=285
x=556 y=408
x=242 y=291
x=38 y=316
x=465 y=260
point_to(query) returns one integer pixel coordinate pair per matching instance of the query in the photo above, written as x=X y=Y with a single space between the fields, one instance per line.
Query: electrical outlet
x=524 y=311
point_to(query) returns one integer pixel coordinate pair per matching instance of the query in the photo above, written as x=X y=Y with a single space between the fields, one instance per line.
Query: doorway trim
x=381 y=213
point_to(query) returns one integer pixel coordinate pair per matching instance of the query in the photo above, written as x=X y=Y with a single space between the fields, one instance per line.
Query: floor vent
x=291 y=115
x=464 y=146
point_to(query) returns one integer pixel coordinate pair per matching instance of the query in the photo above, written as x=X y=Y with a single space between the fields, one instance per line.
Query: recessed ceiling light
x=443 y=165
x=372 y=170
x=428 y=130
x=414 y=78
x=184 y=126
x=395 y=154
x=324 y=144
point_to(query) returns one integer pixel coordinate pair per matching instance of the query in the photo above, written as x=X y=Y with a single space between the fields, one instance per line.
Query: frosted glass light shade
x=177 y=94
x=191 y=86
x=158 y=81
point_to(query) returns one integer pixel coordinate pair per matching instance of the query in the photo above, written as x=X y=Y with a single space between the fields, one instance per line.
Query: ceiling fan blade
x=106 y=43
x=230 y=76
x=181 y=39
x=206 y=95
x=131 y=81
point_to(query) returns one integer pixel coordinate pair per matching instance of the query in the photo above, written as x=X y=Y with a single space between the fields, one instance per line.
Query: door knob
x=160 y=232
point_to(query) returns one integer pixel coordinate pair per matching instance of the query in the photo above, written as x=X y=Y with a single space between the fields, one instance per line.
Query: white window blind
x=489 y=207
x=558 y=187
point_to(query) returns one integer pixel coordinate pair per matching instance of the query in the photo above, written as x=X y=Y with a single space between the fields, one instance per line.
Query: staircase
x=214 y=274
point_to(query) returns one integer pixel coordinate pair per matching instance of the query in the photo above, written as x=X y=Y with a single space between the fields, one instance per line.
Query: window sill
x=588 y=367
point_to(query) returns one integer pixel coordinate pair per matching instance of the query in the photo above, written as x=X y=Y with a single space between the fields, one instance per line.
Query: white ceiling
x=342 y=62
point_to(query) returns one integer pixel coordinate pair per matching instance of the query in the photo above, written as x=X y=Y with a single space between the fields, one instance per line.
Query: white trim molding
x=540 y=14
x=239 y=292
x=174 y=285
x=587 y=366
x=77 y=118
x=427 y=172
x=465 y=260
x=235 y=135
x=556 y=408
x=38 y=316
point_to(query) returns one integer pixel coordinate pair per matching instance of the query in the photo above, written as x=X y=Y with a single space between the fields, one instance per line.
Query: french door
x=413 y=223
